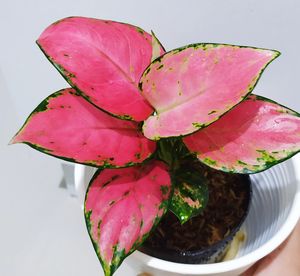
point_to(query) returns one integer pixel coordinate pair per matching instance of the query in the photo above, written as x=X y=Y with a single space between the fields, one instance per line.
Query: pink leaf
x=104 y=60
x=121 y=208
x=191 y=87
x=252 y=137
x=67 y=126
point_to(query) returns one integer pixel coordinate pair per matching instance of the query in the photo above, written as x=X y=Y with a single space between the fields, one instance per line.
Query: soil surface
x=224 y=211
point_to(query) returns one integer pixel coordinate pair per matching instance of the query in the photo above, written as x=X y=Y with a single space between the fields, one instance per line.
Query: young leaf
x=190 y=195
x=67 y=126
x=121 y=208
x=193 y=86
x=252 y=137
x=103 y=60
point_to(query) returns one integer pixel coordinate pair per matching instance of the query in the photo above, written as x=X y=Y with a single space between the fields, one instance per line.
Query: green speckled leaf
x=254 y=136
x=67 y=126
x=190 y=195
x=122 y=206
x=193 y=86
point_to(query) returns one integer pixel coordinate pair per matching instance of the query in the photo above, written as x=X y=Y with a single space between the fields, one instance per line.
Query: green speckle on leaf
x=198 y=125
x=141 y=31
x=280 y=110
x=242 y=163
x=112 y=202
x=147 y=71
x=209 y=161
x=156 y=138
x=213 y=111
x=125 y=117
x=88 y=220
x=129 y=164
x=126 y=193
x=159 y=67
x=137 y=155
x=265 y=157
x=114 y=177
x=106 y=163
x=98 y=228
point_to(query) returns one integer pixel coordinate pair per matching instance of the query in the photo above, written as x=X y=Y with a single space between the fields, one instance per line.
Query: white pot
x=273 y=214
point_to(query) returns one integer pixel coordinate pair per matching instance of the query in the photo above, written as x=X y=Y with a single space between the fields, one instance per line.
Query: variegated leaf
x=193 y=86
x=190 y=194
x=121 y=208
x=252 y=137
x=103 y=60
x=67 y=126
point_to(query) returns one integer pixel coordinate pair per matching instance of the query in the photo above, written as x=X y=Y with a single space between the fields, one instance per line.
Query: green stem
x=172 y=151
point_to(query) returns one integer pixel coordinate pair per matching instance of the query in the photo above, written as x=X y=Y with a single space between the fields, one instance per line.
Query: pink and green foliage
x=254 y=136
x=192 y=86
x=121 y=208
x=120 y=77
x=103 y=60
x=190 y=194
x=67 y=126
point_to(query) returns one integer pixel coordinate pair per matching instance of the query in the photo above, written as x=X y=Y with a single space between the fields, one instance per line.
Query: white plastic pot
x=273 y=214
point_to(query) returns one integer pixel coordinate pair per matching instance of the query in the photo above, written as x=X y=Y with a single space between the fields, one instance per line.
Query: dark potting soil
x=226 y=206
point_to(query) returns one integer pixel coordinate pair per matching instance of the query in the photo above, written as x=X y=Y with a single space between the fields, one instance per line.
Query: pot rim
x=243 y=261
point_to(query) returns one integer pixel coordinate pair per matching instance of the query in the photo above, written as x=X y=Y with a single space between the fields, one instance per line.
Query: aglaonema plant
x=135 y=111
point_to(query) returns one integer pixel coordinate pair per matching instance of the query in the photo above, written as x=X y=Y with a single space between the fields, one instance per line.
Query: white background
x=42 y=230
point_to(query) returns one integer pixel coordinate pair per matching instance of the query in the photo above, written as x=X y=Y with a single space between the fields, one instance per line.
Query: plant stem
x=172 y=151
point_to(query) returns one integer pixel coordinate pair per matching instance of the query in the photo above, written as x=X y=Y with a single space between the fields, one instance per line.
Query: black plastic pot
x=208 y=255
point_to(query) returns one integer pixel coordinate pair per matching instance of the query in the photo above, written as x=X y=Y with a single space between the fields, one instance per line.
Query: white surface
x=42 y=230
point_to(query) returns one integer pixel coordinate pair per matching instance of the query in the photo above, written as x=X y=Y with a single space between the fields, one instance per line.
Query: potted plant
x=142 y=116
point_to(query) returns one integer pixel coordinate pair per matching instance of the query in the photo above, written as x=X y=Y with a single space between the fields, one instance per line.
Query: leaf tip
x=276 y=53
x=12 y=142
x=272 y=53
x=15 y=140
